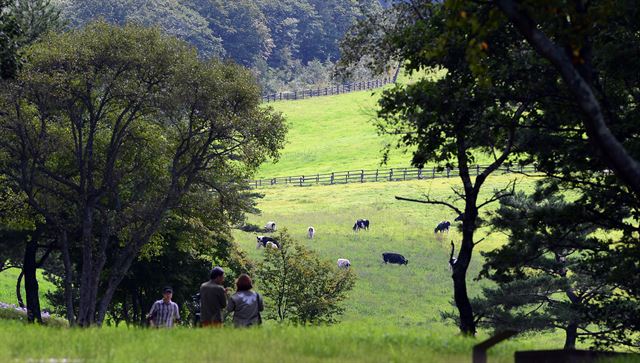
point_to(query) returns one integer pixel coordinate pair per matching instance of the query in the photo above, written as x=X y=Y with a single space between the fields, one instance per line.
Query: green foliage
x=585 y=88
x=171 y=16
x=270 y=37
x=113 y=108
x=300 y=286
x=542 y=277
x=21 y=23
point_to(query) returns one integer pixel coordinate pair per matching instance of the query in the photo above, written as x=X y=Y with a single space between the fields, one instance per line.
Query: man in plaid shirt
x=164 y=312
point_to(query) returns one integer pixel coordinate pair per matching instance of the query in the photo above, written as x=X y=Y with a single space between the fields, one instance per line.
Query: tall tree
x=447 y=119
x=100 y=112
x=588 y=123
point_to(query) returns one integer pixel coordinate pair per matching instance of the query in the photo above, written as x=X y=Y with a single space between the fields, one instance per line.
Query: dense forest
x=288 y=44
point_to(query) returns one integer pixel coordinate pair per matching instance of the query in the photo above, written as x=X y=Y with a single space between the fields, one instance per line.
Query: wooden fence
x=378 y=175
x=327 y=91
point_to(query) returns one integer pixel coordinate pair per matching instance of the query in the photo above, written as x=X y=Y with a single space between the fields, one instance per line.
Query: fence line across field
x=378 y=175
x=328 y=91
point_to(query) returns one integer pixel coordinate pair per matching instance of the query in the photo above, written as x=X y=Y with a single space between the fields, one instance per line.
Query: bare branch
x=429 y=201
x=507 y=191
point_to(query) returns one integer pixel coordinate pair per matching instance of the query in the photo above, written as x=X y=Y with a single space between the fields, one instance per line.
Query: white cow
x=311 y=232
x=271 y=245
x=270 y=226
x=344 y=263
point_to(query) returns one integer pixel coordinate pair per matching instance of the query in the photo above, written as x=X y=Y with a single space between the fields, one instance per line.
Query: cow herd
x=360 y=224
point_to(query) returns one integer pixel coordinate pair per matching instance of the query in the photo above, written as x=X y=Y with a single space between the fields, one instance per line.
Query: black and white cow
x=270 y=226
x=361 y=224
x=263 y=240
x=442 y=227
x=391 y=257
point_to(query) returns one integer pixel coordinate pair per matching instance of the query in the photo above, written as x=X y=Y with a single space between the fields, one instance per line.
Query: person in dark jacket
x=245 y=304
x=213 y=298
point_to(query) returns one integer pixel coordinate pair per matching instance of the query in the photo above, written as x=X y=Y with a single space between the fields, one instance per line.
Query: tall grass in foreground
x=352 y=342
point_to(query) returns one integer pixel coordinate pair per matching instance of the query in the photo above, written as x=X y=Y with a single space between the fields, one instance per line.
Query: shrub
x=302 y=287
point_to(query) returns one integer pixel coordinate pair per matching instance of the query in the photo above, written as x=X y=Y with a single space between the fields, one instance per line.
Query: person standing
x=164 y=312
x=213 y=298
x=245 y=304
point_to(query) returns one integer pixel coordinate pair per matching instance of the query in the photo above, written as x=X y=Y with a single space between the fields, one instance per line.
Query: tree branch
x=429 y=201
x=624 y=165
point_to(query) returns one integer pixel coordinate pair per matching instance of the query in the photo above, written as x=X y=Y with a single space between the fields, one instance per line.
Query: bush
x=302 y=287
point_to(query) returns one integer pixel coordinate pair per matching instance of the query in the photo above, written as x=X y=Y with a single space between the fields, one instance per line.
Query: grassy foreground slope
x=343 y=343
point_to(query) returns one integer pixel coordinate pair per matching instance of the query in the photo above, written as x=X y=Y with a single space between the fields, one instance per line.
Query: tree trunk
x=19 y=290
x=31 y=281
x=68 y=278
x=461 y=297
x=571 y=335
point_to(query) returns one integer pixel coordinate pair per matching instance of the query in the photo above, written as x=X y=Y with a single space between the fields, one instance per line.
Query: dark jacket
x=212 y=300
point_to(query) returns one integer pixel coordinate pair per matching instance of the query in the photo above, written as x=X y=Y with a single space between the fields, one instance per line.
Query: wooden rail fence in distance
x=377 y=175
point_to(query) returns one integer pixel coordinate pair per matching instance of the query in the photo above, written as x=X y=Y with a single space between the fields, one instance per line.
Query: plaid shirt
x=163 y=313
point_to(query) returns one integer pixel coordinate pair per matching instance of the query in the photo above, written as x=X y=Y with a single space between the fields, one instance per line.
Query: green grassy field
x=346 y=342
x=411 y=295
x=334 y=133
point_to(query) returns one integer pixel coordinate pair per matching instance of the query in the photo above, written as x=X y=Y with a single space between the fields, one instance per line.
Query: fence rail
x=378 y=175
x=328 y=91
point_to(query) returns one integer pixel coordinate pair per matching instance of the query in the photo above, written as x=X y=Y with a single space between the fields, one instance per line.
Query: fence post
x=346 y=178
x=404 y=177
x=448 y=171
x=376 y=174
x=433 y=173
x=361 y=176
x=332 y=175
x=318 y=179
x=301 y=180
x=477 y=169
x=390 y=174
x=295 y=95
x=419 y=173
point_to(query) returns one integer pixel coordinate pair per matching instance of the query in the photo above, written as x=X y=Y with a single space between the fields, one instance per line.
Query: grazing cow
x=344 y=263
x=442 y=227
x=459 y=218
x=390 y=257
x=361 y=224
x=271 y=245
x=270 y=226
x=263 y=240
x=311 y=232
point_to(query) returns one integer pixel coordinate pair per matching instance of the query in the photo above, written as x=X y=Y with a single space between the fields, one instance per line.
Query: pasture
x=336 y=133
x=398 y=295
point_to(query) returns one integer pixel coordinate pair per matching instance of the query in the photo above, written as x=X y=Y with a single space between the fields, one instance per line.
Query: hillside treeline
x=288 y=44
